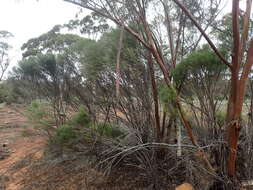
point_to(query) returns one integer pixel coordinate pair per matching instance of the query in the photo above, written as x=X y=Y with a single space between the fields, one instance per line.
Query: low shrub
x=108 y=130
x=26 y=133
x=81 y=118
x=64 y=134
x=40 y=116
x=220 y=118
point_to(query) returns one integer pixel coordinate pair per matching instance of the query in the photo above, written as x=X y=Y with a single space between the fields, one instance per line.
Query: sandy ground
x=17 y=142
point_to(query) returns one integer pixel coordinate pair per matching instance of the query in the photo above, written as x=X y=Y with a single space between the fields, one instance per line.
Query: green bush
x=168 y=99
x=64 y=134
x=81 y=118
x=40 y=116
x=221 y=118
x=107 y=129
x=7 y=93
x=26 y=133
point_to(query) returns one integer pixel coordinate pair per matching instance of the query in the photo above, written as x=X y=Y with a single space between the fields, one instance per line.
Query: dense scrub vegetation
x=163 y=104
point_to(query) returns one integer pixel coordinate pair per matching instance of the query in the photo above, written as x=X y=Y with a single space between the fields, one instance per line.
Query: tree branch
x=191 y=17
x=245 y=32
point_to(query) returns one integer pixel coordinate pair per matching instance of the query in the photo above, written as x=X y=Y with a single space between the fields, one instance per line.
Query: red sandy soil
x=13 y=127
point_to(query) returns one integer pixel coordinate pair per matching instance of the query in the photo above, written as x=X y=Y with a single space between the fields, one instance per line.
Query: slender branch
x=136 y=35
x=236 y=36
x=120 y=44
x=249 y=62
x=191 y=17
x=169 y=31
x=131 y=31
x=245 y=32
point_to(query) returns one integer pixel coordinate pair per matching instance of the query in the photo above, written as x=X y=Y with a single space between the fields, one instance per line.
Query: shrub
x=26 y=133
x=40 y=116
x=7 y=94
x=64 y=134
x=221 y=118
x=168 y=99
x=81 y=118
x=107 y=129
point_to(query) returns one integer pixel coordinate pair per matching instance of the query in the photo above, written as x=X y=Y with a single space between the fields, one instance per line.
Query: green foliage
x=221 y=118
x=224 y=34
x=167 y=95
x=202 y=63
x=64 y=134
x=81 y=118
x=50 y=42
x=28 y=68
x=44 y=75
x=100 y=57
x=93 y=62
x=11 y=91
x=40 y=115
x=107 y=129
x=6 y=94
x=26 y=133
x=47 y=64
x=168 y=98
x=90 y=24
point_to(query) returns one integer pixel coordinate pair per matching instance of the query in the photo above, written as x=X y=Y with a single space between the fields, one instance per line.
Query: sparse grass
x=70 y=172
x=27 y=133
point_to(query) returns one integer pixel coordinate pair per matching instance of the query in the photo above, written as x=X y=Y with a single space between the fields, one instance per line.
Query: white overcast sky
x=26 y=19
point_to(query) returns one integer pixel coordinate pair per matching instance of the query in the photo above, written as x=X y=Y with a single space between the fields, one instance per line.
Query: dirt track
x=16 y=143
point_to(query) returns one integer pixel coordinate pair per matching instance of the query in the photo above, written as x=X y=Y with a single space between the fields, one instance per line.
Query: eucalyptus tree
x=93 y=25
x=98 y=67
x=55 y=58
x=140 y=12
x=144 y=20
x=240 y=67
x=202 y=76
x=4 y=52
x=52 y=41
